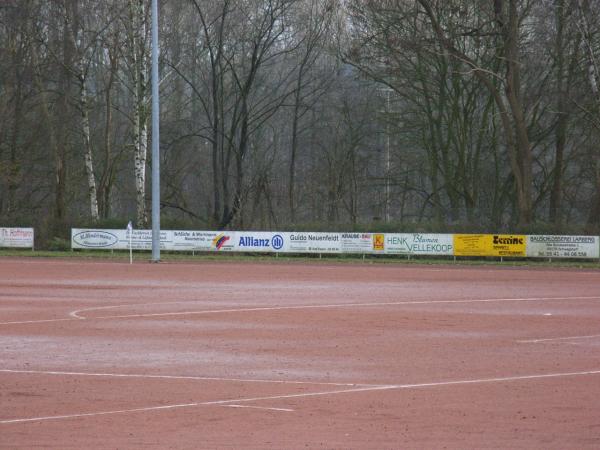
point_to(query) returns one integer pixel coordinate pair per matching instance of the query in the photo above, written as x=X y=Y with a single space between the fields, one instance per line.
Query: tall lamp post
x=155 y=139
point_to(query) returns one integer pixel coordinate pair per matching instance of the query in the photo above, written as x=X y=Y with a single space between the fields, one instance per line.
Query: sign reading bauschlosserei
x=16 y=237
x=418 y=244
x=552 y=246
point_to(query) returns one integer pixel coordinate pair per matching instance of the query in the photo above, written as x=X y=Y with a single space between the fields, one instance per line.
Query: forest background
x=381 y=115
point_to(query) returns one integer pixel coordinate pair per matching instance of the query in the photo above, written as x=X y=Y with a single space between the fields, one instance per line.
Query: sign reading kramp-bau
x=16 y=237
x=499 y=245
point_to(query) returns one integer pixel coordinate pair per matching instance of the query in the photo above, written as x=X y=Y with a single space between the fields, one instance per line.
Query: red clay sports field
x=223 y=355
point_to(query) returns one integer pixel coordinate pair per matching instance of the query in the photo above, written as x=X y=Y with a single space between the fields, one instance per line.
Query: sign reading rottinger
x=489 y=245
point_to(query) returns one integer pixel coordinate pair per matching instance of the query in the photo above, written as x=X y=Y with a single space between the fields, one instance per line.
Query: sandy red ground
x=285 y=356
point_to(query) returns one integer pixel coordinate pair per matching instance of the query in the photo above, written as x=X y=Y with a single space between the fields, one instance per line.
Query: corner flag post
x=130 y=231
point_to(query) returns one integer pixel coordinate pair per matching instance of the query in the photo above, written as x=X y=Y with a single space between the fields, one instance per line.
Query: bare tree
x=318 y=17
x=590 y=41
x=138 y=58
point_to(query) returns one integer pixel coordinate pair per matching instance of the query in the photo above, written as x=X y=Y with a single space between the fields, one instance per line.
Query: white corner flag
x=130 y=232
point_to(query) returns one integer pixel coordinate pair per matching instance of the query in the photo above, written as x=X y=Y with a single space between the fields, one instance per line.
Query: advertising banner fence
x=418 y=244
x=226 y=241
x=17 y=237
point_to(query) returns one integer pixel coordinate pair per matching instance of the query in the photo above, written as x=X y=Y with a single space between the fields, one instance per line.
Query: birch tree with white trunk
x=138 y=60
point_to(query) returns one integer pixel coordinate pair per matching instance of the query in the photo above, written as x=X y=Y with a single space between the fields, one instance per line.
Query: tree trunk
x=593 y=75
x=139 y=56
x=294 y=147
x=13 y=169
x=87 y=147
x=510 y=105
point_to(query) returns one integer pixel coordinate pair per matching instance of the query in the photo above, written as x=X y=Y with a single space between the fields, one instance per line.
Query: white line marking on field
x=75 y=316
x=258 y=407
x=308 y=394
x=188 y=405
x=101 y=413
x=76 y=313
x=566 y=338
x=179 y=377
x=19 y=322
x=342 y=305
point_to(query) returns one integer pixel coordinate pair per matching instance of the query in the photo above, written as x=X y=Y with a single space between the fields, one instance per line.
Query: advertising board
x=552 y=246
x=502 y=245
x=114 y=239
x=307 y=242
x=16 y=237
x=356 y=243
x=255 y=241
x=418 y=244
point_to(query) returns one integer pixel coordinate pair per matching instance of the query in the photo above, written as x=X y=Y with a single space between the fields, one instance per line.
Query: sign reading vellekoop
x=418 y=244
x=16 y=237
x=549 y=246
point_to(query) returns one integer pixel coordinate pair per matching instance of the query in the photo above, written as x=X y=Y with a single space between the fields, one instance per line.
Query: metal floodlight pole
x=155 y=139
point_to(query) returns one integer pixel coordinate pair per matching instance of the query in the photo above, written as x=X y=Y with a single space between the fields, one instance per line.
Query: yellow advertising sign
x=489 y=245
x=378 y=242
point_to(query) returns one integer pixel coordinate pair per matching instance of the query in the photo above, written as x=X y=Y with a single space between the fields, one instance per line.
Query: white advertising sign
x=253 y=241
x=356 y=242
x=549 y=246
x=304 y=242
x=16 y=237
x=142 y=239
x=418 y=244
x=186 y=240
